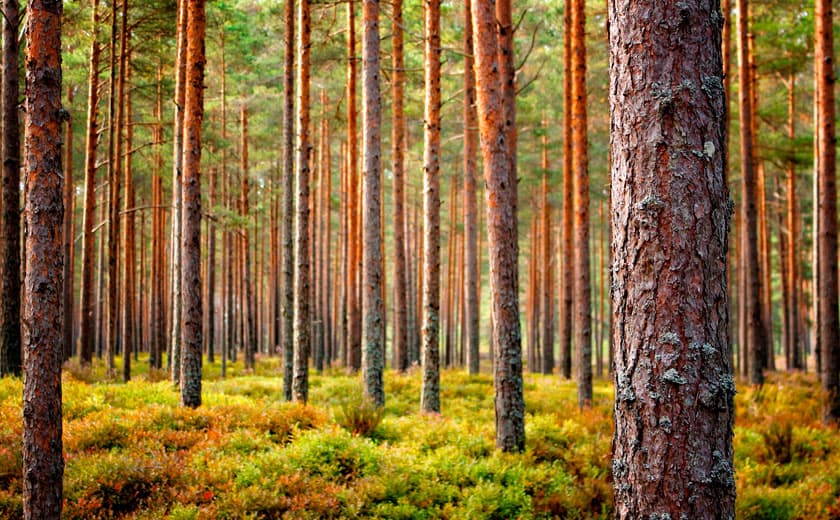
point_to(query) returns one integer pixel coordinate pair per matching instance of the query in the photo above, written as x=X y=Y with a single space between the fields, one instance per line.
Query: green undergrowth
x=131 y=452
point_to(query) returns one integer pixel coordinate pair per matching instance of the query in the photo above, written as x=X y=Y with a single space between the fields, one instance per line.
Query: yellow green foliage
x=131 y=452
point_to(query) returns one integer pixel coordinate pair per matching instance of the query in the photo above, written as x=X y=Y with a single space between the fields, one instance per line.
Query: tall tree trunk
x=430 y=393
x=43 y=464
x=494 y=128
x=567 y=283
x=792 y=267
x=471 y=271
x=87 y=333
x=373 y=306
x=674 y=404
x=248 y=307
x=547 y=274
x=191 y=232
x=10 y=346
x=177 y=196
x=755 y=340
x=829 y=326
x=157 y=308
x=580 y=158
x=398 y=166
x=68 y=232
x=302 y=318
x=115 y=108
x=353 y=311
x=128 y=321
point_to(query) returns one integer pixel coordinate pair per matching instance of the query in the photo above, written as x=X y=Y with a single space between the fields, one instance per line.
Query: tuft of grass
x=359 y=415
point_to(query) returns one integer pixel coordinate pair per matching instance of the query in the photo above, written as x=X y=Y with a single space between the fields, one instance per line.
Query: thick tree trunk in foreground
x=373 y=306
x=672 y=449
x=430 y=394
x=495 y=130
x=302 y=320
x=87 y=332
x=191 y=231
x=43 y=464
x=829 y=326
x=288 y=200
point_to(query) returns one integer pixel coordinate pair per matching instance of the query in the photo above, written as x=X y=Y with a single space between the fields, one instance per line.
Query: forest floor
x=132 y=452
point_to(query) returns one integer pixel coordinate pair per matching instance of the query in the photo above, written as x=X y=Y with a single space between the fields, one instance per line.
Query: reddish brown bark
x=674 y=409
x=157 y=311
x=43 y=464
x=755 y=340
x=191 y=245
x=354 y=347
x=567 y=250
x=582 y=327
x=829 y=325
x=115 y=109
x=494 y=129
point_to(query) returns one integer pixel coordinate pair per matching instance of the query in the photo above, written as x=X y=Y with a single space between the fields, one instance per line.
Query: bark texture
x=829 y=324
x=302 y=320
x=191 y=232
x=288 y=199
x=43 y=464
x=472 y=270
x=373 y=306
x=10 y=353
x=755 y=341
x=430 y=393
x=398 y=145
x=567 y=283
x=87 y=325
x=494 y=129
x=672 y=449
x=582 y=328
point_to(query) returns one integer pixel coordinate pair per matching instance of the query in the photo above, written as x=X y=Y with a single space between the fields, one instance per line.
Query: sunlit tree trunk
x=674 y=409
x=177 y=196
x=567 y=250
x=829 y=326
x=191 y=233
x=129 y=342
x=495 y=130
x=115 y=109
x=580 y=163
x=354 y=341
x=43 y=464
